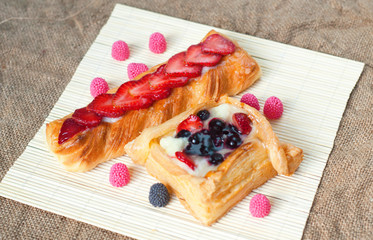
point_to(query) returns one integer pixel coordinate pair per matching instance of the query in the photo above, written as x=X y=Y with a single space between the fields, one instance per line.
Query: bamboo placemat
x=313 y=86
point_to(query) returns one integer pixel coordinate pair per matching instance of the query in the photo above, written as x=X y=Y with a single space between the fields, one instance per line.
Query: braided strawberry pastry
x=99 y=131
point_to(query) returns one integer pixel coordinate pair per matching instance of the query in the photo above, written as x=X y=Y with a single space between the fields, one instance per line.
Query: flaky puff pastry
x=86 y=150
x=259 y=158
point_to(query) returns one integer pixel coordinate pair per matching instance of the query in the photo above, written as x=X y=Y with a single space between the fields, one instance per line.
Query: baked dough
x=208 y=198
x=86 y=150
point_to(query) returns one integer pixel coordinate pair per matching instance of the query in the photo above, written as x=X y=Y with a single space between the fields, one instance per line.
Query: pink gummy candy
x=119 y=175
x=120 y=51
x=250 y=100
x=98 y=86
x=273 y=108
x=157 y=43
x=135 y=69
x=260 y=206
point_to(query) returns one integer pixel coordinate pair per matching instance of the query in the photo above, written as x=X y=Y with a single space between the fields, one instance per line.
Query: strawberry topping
x=69 y=129
x=218 y=44
x=103 y=105
x=86 y=117
x=194 y=55
x=193 y=123
x=126 y=101
x=160 y=80
x=185 y=159
x=176 y=67
x=135 y=95
x=242 y=122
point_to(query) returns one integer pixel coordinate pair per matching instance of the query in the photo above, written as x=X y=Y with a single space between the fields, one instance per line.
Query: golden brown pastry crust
x=249 y=166
x=235 y=73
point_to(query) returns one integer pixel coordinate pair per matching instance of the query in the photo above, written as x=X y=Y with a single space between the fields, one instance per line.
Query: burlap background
x=42 y=43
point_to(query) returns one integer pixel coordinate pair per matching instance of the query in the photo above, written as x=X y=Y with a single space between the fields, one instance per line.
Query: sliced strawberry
x=176 y=67
x=161 y=94
x=161 y=69
x=69 y=129
x=242 y=122
x=103 y=105
x=126 y=101
x=218 y=44
x=86 y=117
x=164 y=82
x=194 y=55
x=185 y=159
x=142 y=88
x=160 y=80
x=193 y=123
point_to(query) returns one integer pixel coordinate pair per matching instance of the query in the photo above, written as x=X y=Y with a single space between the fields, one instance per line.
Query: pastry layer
x=249 y=166
x=81 y=153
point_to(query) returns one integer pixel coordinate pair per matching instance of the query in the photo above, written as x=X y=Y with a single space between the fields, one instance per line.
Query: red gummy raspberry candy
x=250 y=100
x=119 y=175
x=120 y=51
x=98 y=86
x=260 y=206
x=135 y=69
x=157 y=43
x=273 y=108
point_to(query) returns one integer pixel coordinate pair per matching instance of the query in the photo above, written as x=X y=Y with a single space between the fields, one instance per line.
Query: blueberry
x=216 y=158
x=204 y=151
x=197 y=137
x=233 y=141
x=205 y=132
x=203 y=115
x=233 y=129
x=235 y=136
x=183 y=133
x=194 y=139
x=217 y=140
x=192 y=149
x=216 y=125
x=231 y=144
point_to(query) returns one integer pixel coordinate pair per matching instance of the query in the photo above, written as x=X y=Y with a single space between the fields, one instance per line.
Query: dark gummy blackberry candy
x=158 y=195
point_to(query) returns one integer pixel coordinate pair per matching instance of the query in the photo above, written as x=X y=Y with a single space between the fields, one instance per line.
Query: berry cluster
x=140 y=94
x=208 y=142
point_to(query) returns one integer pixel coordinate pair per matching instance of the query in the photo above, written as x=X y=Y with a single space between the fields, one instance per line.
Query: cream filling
x=111 y=120
x=206 y=69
